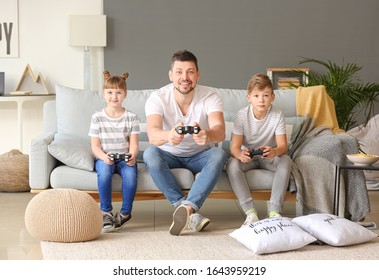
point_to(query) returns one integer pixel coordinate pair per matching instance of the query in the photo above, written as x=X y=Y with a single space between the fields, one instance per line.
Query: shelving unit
x=284 y=78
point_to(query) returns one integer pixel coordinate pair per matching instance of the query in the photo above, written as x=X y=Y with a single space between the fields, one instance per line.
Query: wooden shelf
x=283 y=78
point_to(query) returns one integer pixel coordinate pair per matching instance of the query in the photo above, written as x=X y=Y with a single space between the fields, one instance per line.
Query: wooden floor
x=17 y=244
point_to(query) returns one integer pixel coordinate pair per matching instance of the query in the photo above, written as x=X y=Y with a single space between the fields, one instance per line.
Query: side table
x=20 y=100
x=337 y=180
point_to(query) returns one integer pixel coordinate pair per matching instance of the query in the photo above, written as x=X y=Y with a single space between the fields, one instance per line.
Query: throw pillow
x=75 y=108
x=293 y=126
x=72 y=151
x=272 y=235
x=334 y=230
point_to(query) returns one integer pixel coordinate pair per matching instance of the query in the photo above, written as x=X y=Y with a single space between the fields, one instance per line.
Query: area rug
x=210 y=245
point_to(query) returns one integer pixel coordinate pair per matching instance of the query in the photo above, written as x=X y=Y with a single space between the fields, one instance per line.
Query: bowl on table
x=363 y=159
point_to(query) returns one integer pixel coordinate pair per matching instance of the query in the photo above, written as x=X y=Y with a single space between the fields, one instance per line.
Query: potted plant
x=349 y=93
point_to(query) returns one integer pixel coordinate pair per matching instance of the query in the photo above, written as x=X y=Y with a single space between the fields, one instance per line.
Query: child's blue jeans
x=129 y=184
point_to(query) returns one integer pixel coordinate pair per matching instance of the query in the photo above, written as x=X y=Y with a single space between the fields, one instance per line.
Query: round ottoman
x=63 y=215
x=14 y=167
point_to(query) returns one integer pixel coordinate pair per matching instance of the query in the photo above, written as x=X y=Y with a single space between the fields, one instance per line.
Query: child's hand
x=268 y=152
x=107 y=159
x=132 y=160
x=245 y=156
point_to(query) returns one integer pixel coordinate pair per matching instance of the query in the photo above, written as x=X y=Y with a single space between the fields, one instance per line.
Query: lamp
x=88 y=31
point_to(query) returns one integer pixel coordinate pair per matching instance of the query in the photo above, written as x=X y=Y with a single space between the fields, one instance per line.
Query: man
x=185 y=105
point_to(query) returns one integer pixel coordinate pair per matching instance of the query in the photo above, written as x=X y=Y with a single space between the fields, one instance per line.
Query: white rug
x=212 y=245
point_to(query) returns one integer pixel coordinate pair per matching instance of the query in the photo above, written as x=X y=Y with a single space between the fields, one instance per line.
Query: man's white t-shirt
x=205 y=101
x=258 y=133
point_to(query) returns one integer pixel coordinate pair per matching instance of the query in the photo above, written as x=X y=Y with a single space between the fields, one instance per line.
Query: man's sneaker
x=250 y=218
x=274 y=214
x=198 y=222
x=108 y=222
x=121 y=220
x=180 y=220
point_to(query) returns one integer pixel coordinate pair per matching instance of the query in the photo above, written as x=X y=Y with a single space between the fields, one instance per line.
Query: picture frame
x=285 y=78
x=9 y=45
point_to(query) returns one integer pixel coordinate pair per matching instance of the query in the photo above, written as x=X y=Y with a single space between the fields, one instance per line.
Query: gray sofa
x=60 y=156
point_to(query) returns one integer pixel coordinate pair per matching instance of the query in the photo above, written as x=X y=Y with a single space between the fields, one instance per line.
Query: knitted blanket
x=316 y=152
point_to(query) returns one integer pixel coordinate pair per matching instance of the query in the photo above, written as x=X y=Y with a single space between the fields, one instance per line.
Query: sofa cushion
x=135 y=102
x=293 y=126
x=234 y=100
x=73 y=151
x=285 y=100
x=68 y=177
x=75 y=108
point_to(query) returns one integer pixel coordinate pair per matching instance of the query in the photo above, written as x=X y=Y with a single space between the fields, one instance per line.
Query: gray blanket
x=316 y=152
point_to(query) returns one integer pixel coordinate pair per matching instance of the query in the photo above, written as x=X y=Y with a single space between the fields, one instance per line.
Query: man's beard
x=185 y=92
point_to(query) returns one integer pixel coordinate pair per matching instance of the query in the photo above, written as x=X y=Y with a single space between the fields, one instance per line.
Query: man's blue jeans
x=207 y=165
x=129 y=184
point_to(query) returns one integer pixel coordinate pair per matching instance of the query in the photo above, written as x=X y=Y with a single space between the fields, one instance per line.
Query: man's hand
x=175 y=138
x=200 y=138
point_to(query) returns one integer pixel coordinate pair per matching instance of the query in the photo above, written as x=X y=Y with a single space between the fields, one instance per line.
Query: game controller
x=187 y=129
x=119 y=157
x=253 y=152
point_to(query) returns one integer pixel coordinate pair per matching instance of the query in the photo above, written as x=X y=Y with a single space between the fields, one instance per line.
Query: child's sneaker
x=180 y=220
x=121 y=220
x=198 y=222
x=250 y=218
x=108 y=222
x=274 y=214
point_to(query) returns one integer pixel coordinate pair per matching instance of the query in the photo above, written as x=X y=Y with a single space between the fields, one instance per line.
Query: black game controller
x=187 y=129
x=253 y=152
x=119 y=157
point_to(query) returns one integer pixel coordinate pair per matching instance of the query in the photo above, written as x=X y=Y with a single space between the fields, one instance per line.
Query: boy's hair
x=184 y=55
x=116 y=82
x=259 y=81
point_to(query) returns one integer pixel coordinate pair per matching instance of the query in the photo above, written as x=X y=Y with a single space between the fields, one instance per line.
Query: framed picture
x=284 y=78
x=9 y=28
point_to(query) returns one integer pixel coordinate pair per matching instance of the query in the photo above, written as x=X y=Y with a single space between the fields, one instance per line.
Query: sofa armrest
x=41 y=163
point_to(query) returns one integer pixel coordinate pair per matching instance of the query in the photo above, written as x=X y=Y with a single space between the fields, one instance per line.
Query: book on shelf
x=288 y=82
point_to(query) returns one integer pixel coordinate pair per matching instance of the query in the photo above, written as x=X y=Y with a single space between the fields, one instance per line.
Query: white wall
x=44 y=45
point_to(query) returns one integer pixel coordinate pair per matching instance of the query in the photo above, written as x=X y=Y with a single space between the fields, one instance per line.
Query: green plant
x=349 y=93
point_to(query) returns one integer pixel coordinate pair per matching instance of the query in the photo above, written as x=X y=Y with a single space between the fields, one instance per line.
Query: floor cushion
x=63 y=215
x=14 y=167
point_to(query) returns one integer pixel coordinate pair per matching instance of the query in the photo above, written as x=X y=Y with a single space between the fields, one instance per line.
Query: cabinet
x=284 y=78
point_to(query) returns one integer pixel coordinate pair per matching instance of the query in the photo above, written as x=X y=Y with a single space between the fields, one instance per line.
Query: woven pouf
x=14 y=167
x=63 y=215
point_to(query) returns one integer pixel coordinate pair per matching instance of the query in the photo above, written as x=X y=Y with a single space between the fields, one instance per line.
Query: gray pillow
x=75 y=108
x=73 y=151
x=294 y=124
